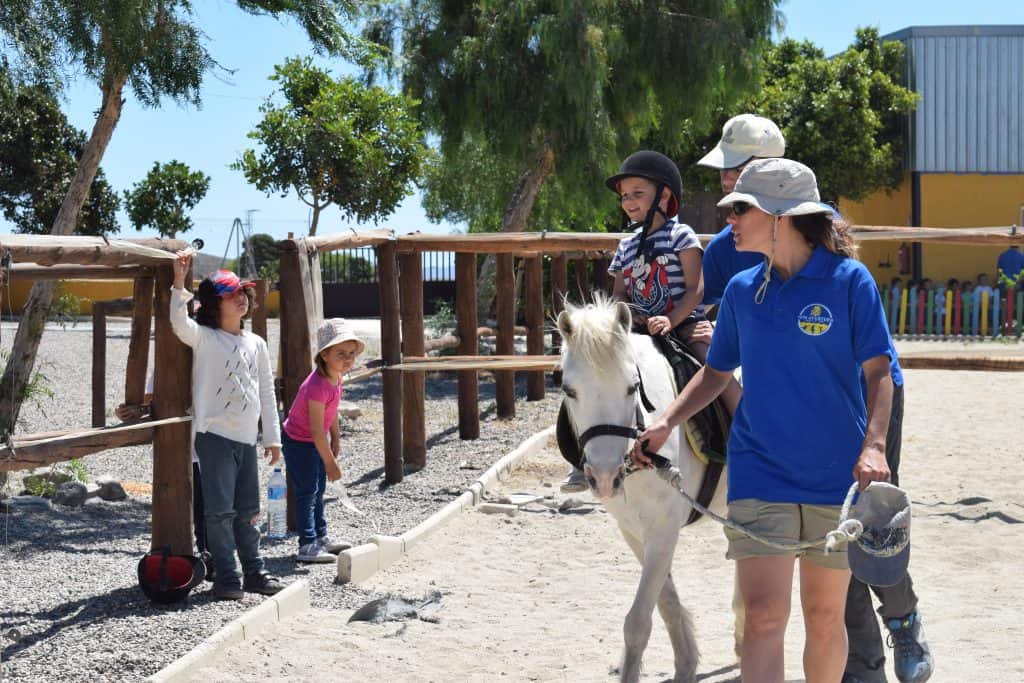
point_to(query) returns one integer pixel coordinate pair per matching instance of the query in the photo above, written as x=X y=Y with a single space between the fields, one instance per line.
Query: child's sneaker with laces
x=332 y=546
x=315 y=553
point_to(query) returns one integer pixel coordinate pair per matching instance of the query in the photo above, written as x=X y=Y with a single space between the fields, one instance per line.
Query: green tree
x=38 y=152
x=335 y=141
x=265 y=254
x=843 y=116
x=153 y=47
x=161 y=199
x=536 y=102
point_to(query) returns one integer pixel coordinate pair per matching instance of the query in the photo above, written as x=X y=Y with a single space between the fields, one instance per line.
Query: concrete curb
x=355 y=564
x=363 y=561
x=292 y=600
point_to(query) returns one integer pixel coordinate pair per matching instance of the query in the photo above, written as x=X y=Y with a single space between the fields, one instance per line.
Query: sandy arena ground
x=541 y=596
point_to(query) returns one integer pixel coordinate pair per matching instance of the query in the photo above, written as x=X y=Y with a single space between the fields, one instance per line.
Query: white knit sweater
x=232 y=385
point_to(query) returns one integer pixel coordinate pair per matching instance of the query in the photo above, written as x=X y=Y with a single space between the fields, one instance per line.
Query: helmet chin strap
x=648 y=221
x=763 y=289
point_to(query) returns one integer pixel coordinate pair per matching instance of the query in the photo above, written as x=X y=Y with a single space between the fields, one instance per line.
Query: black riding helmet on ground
x=657 y=168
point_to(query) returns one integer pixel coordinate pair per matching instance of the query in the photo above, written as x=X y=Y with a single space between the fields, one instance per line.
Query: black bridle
x=633 y=432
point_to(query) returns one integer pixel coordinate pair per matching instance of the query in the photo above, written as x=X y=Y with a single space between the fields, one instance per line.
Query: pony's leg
x=740 y=615
x=677 y=621
x=656 y=558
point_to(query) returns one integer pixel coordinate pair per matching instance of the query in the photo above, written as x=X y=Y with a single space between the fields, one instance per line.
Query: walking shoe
x=332 y=546
x=263 y=583
x=314 y=552
x=913 y=659
x=576 y=482
x=222 y=592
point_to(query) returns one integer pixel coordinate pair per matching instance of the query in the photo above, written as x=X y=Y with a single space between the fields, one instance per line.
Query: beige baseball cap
x=745 y=137
x=335 y=331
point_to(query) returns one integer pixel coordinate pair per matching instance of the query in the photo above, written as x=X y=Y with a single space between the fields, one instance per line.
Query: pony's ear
x=623 y=316
x=565 y=325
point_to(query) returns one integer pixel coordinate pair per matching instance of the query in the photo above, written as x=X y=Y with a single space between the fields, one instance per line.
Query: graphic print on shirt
x=231 y=387
x=649 y=282
x=815 y=320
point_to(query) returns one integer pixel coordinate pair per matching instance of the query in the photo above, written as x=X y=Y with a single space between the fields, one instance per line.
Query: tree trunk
x=22 y=360
x=517 y=215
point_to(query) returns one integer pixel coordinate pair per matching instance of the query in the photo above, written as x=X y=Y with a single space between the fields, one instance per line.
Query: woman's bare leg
x=766 y=584
x=823 y=599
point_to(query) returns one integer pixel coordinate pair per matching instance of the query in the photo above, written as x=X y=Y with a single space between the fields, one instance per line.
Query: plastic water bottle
x=277 y=506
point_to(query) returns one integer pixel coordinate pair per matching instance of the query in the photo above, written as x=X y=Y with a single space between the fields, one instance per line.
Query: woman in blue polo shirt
x=804 y=326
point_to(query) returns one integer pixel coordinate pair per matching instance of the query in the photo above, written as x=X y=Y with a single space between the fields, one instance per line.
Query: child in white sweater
x=232 y=389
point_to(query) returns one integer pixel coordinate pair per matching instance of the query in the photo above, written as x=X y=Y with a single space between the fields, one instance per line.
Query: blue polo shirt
x=722 y=261
x=800 y=426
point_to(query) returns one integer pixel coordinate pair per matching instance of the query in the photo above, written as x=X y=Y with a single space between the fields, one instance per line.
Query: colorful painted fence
x=951 y=313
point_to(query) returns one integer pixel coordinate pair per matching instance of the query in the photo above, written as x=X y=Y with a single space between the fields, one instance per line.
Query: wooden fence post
x=559 y=288
x=391 y=353
x=599 y=275
x=534 y=315
x=469 y=344
x=259 y=314
x=99 y=364
x=504 y=380
x=138 y=347
x=172 y=456
x=582 y=278
x=414 y=439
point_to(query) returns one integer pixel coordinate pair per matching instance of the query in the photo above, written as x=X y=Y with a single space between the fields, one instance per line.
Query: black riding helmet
x=657 y=168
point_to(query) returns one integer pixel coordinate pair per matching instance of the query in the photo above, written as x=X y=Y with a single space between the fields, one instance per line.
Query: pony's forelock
x=597 y=339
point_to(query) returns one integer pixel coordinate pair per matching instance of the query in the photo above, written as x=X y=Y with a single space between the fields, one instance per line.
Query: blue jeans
x=309 y=478
x=231 y=495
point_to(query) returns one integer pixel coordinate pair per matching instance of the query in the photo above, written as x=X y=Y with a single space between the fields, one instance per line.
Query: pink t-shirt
x=315 y=388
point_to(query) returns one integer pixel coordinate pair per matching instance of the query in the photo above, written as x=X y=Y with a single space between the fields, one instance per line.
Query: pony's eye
x=632 y=389
x=570 y=393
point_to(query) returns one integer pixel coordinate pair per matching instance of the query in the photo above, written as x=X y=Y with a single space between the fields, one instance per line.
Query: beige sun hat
x=335 y=331
x=745 y=137
x=780 y=187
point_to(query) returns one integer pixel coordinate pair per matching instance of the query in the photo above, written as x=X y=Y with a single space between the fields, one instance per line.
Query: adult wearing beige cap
x=806 y=325
x=744 y=138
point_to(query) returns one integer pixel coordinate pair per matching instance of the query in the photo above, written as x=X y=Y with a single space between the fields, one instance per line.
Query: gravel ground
x=70 y=606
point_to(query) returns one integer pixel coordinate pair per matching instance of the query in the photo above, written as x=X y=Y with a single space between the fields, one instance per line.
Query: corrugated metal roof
x=970 y=118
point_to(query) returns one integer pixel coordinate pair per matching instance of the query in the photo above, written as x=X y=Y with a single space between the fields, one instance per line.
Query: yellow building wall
x=948 y=200
x=97 y=290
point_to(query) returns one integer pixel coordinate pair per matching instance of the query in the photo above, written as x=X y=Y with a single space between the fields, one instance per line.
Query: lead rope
x=848 y=530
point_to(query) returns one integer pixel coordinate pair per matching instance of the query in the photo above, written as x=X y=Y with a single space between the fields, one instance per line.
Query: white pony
x=608 y=375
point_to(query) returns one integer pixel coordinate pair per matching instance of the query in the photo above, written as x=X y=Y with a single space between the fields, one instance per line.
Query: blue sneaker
x=913 y=659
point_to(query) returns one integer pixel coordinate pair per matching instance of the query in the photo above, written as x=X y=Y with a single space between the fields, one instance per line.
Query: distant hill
x=204 y=264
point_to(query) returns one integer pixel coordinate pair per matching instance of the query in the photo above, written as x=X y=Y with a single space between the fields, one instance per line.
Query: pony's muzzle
x=605 y=483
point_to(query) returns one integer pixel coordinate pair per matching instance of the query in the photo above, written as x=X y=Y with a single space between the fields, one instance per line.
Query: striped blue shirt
x=654 y=277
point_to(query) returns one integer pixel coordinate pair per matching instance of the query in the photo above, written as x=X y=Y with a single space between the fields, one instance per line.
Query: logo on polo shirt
x=815 y=319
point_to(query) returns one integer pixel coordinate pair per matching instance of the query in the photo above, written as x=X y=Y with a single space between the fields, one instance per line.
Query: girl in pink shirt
x=310 y=459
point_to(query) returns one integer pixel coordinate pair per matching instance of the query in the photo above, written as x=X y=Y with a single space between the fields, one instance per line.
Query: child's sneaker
x=333 y=546
x=314 y=552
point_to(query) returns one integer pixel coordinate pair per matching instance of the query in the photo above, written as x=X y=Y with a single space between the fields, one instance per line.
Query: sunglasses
x=740 y=208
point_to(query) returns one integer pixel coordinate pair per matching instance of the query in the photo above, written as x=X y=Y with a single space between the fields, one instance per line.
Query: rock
x=110 y=490
x=467 y=465
x=71 y=493
x=498 y=509
x=30 y=502
x=349 y=410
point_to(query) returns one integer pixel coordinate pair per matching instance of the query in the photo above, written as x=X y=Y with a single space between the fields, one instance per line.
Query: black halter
x=627 y=432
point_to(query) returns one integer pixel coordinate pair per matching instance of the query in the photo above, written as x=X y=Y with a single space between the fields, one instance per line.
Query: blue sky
x=211 y=137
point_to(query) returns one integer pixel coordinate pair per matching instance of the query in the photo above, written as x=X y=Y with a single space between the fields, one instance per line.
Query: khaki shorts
x=784 y=523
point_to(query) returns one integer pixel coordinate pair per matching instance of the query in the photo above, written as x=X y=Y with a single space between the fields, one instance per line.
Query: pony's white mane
x=597 y=339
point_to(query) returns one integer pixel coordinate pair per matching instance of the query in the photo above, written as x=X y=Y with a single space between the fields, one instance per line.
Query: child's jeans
x=309 y=478
x=231 y=495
